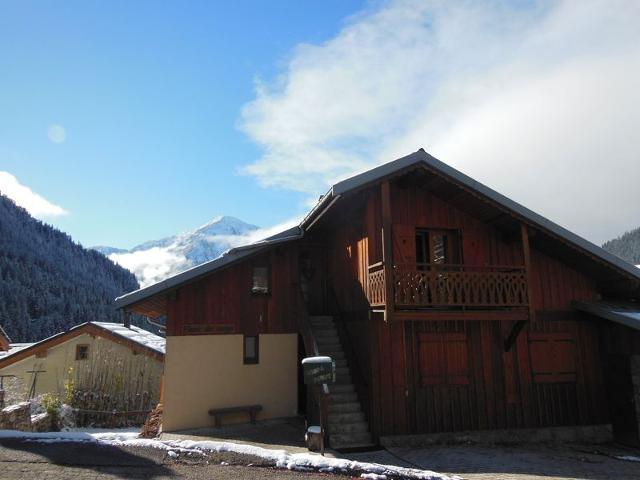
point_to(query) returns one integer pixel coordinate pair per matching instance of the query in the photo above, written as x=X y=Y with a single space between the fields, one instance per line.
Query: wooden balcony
x=441 y=286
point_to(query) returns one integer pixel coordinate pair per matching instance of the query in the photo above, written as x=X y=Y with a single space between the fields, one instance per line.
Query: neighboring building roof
x=15 y=348
x=4 y=340
x=625 y=313
x=135 y=334
x=133 y=337
x=370 y=177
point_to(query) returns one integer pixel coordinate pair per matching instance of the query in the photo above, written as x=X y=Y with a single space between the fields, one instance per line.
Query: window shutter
x=553 y=357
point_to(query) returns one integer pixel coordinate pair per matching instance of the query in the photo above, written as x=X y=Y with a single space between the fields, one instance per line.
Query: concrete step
x=345 y=418
x=342 y=371
x=344 y=379
x=352 y=427
x=325 y=332
x=349 y=440
x=341 y=363
x=328 y=340
x=343 y=397
x=339 y=389
x=347 y=407
x=329 y=349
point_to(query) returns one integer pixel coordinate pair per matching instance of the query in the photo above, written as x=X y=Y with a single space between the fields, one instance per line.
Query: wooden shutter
x=443 y=359
x=404 y=244
x=553 y=357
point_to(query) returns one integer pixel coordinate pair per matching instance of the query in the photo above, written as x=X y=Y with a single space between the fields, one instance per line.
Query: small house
x=95 y=365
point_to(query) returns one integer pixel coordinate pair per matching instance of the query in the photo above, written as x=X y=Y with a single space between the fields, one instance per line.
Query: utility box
x=319 y=370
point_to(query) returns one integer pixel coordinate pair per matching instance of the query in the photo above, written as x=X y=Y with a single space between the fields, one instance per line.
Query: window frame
x=453 y=246
x=257 y=290
x=254 y=360
x=79 y=347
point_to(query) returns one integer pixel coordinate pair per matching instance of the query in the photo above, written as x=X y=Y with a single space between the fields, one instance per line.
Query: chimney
x=126 y=318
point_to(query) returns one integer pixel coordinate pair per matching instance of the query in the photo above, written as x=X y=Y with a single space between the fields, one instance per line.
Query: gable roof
x=134 y=338
x=418 y=159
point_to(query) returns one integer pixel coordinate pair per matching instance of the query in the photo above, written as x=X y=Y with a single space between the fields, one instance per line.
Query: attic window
x=260 y=280
x=82 y=352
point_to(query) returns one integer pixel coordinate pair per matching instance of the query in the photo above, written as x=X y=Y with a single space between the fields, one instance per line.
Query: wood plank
x=387 y=250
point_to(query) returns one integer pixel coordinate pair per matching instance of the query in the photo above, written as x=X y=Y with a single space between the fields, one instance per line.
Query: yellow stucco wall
x=207 y=371
x=110 y=366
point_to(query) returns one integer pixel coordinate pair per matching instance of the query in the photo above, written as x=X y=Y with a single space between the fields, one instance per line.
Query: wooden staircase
x=347 y=426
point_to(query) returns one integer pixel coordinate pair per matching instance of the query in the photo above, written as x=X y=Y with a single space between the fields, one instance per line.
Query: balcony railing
x=431 y=285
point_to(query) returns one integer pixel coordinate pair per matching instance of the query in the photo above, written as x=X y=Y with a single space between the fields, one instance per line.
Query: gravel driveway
x=60 y=461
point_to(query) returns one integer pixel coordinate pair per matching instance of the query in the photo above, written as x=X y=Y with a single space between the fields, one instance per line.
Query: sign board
x=319 y=370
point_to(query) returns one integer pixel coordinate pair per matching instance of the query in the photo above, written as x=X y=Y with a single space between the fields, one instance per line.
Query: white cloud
x=541 y=102
x=152 y=265
x=35 y=204
x=57 y=133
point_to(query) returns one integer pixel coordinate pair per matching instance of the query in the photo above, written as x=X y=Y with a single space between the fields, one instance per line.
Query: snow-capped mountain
x=156 y=260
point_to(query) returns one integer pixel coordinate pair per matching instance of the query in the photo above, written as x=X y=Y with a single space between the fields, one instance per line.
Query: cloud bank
x=35 y=204
x=539 y=101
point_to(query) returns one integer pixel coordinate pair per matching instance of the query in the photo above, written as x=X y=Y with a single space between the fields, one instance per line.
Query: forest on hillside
x=626 y=246
x=49 y=283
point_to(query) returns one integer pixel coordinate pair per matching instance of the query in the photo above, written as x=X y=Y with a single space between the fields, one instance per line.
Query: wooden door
x=621 y=400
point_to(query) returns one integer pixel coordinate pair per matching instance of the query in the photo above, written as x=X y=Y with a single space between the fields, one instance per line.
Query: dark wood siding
x=223 y=303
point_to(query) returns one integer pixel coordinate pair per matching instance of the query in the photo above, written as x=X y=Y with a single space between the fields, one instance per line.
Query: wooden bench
x=252 y=410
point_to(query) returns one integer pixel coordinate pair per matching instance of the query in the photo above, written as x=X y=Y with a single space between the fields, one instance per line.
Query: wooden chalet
x=447 y=307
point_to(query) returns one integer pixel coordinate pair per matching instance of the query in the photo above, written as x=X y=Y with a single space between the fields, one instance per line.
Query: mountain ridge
x=155 y=260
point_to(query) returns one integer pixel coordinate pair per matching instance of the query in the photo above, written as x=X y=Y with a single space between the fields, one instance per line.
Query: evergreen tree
x=626 y=246
x=48 y=283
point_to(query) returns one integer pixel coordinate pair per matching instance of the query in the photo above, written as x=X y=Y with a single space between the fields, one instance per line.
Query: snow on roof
x=15 y=348
x=135 y=334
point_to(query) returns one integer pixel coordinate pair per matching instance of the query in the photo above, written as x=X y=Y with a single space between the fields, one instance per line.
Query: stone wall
x=16 y=417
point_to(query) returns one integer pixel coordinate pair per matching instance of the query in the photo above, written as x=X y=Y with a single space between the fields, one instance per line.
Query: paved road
x=78 y=461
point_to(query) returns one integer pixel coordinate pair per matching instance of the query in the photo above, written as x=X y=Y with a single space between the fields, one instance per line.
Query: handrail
x=460 y=267
x=375 y=266
x=320 y=392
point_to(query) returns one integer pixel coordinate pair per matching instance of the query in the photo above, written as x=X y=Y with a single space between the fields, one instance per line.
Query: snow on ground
x=629 y=458
x=280 y=458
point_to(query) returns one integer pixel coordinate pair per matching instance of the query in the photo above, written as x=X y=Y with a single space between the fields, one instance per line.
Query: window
x=553 y=357
x=443 y=359
x=251 y=350
x=260 y=280
x=82 y=352
x=438 y=247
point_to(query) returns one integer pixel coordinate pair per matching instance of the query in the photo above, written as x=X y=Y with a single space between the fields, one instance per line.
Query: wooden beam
x=457 y=315
x=513 y=334
x=526 y=251
x=387 y=250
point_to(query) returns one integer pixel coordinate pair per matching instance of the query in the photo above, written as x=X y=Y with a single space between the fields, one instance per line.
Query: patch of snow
x=135 y=334
x=628 y=458
x=317 y=360
x=373 y=476
x=280 y=458
x=314 y=429
x=14 y=348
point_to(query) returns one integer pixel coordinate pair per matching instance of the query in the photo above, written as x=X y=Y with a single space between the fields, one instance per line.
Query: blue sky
x=149 y=95
x=170 y=113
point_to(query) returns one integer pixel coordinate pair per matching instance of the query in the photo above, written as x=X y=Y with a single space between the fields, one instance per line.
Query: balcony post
x=387 y=251
x=526 y=250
